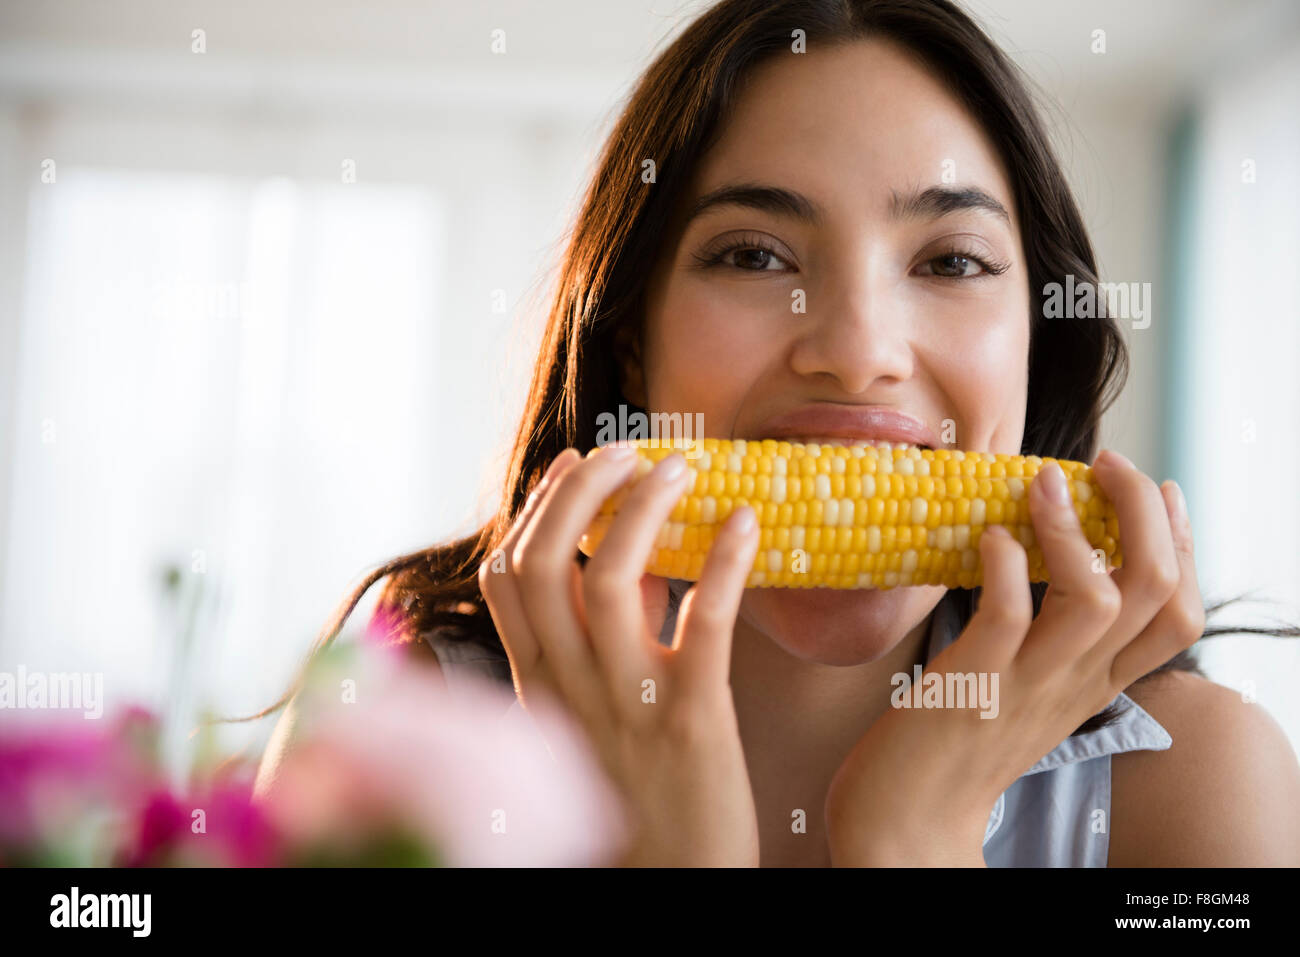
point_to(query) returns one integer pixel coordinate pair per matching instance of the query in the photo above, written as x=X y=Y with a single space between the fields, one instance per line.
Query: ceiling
x=578 y=55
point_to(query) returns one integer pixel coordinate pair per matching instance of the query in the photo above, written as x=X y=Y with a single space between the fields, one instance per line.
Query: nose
x=857 y=336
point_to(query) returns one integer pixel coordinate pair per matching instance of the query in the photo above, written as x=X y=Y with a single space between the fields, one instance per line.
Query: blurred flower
x=386 y=748
x=389 y=766
x=384 y=625
x=69 y=788
x=219 y=826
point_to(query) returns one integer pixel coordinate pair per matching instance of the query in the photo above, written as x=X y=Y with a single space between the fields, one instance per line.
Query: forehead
x=851 y=125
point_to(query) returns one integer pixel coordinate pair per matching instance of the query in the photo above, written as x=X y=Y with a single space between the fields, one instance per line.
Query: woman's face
x=912 y=286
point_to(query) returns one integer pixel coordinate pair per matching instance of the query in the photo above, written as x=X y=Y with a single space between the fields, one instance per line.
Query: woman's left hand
x=918 y=787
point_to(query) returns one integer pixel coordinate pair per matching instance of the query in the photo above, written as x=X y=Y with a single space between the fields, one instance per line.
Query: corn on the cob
x=857 y=516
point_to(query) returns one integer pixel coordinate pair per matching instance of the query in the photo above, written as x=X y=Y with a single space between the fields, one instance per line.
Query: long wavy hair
x=673 y=115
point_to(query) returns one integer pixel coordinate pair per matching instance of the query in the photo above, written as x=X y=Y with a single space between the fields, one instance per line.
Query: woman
x=882 y=166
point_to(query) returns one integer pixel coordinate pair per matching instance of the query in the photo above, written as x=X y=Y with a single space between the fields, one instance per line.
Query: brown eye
x=754 y=258
x=748 y=254
x=954 y=266
x=960 y=264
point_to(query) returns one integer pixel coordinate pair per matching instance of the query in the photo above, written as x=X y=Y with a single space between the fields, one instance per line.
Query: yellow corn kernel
x=860 y=516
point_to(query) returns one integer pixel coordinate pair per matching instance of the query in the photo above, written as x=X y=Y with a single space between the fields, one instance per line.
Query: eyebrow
x=940 y=200
x=928 y=203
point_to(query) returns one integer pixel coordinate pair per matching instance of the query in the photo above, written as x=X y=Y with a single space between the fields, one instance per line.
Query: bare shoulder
x=419 y=650
x=1223 y=795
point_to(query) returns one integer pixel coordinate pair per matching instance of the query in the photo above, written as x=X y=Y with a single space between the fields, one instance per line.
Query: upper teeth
x=877 y=443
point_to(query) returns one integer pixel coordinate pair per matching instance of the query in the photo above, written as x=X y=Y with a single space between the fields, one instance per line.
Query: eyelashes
x=989 y=266
x=747 y=243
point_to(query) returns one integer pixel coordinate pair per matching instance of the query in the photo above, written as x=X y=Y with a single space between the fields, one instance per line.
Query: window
x=1235 y=400
x=225 y=377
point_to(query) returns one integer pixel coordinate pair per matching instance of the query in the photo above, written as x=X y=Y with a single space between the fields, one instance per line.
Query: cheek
x=703 y=355
x=982 y=369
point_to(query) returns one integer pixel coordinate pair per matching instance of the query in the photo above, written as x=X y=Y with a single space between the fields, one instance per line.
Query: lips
x=839 y=424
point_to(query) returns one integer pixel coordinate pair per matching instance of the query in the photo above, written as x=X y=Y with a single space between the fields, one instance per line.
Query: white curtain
x=230 y=377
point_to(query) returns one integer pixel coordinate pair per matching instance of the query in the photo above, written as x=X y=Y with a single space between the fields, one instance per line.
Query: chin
x=838 y=626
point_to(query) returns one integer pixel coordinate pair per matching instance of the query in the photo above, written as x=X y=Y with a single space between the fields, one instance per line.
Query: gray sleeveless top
x=1057 y=814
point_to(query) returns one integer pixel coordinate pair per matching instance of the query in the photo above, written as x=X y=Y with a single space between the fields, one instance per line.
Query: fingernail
x=550 y=469
x=743 y=523
x=1119 y=459
x=614 y=453
x=671 y=468
x=1054 y=485
x=1180 y=501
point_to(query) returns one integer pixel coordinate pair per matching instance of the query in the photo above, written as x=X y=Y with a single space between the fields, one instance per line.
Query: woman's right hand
x=661 y=720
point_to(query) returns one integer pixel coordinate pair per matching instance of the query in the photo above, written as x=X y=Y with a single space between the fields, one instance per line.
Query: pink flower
x=384 y=624
x=64 y=776
x=219 y=826
x=388 y=746
x=390 y=765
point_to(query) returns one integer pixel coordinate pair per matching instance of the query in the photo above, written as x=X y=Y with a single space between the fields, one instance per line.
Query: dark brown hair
x=675 y=113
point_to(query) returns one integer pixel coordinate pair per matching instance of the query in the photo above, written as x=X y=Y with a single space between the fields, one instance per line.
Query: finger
x=1080 y=604
x=544 y=561
x=1151 y=573
x=707 y=617
x=611 y=592
x=497 y=584
x=1181 y=622
x=1006 y=606
x=654 y=603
